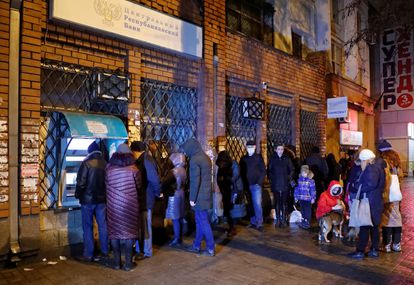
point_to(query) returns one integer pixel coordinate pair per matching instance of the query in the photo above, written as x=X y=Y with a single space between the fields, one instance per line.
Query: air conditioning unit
x=345 y=120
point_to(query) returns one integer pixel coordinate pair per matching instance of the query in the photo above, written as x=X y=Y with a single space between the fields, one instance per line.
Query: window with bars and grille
x=239 y=129
x=73 y=88
x=310 y=134
x=168 y=117
x=279 y=126
x=253 y=18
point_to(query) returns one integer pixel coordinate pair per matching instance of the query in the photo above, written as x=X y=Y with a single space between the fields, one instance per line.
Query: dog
x=332 y=221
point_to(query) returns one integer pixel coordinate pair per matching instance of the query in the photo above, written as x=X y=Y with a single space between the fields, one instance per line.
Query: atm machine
x=108 y=131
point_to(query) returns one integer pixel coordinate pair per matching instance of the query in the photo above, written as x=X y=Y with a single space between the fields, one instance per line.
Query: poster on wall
x=133 y=21
x=397 y=70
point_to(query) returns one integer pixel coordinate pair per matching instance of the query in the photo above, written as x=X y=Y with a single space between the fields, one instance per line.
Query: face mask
x=251 y=150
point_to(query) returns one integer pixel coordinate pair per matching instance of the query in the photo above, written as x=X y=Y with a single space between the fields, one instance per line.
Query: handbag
x=360 y=211
x=238 y=211
x=395 y=190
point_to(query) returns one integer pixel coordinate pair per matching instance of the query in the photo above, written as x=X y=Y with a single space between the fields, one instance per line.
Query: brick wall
x=4 y=94
x=249 y=61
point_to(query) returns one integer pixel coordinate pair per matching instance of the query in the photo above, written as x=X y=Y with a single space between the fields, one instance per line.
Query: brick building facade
x=233 y=66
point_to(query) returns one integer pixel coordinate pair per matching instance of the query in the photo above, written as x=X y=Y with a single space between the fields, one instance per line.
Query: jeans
x=178 y=228
x=364 y=233
x=203 y=230
x=391 y=234
x=145 y=241
x=306 y=210
x=256 y=192
x=88 y=212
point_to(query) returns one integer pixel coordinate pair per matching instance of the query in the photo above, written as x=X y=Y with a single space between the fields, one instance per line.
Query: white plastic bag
x=217 y=204
x=295 y=216
x=395 y=190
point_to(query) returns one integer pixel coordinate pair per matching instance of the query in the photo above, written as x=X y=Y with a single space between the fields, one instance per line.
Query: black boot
x=129 y=264
x=115 y=263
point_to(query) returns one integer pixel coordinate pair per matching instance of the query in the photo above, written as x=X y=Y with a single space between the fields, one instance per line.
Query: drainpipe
x=14 y=70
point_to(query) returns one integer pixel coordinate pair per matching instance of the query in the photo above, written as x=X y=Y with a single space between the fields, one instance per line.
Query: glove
x=337 y=207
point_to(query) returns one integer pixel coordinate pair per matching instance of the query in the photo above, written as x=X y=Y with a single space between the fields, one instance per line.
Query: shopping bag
x=238 y=211
x=360 y=211
x=295 y=216
x=395 y=190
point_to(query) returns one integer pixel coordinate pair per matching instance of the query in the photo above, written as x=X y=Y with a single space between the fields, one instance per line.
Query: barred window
x=253 y=18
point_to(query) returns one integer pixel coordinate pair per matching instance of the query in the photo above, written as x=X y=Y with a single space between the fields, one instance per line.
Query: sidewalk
x=277 y=256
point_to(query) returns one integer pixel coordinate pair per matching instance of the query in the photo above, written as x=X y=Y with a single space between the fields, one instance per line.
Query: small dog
x=332 y=221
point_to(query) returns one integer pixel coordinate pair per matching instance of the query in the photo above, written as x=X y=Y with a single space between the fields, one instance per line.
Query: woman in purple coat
x=123 y=189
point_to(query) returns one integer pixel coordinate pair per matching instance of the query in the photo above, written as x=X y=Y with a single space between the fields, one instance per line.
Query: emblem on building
x=109 y=11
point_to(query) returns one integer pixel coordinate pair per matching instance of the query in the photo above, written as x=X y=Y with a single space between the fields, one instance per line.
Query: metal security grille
x=239 y=129
x=279 y=126
x=309 y=132
x=53 y=127
x=169 y=116
x=74 y=88
x=77 y=88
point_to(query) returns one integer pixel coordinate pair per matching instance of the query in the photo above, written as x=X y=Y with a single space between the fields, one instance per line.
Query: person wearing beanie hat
x=371 y=182
x=152 y=188
x=305 y=194
x=384 y=146
x=124 y=192
x=91 y=192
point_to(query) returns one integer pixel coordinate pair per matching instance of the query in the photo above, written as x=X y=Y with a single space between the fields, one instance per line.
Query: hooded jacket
x=90 y=180
x=150 y=180
x=200 y=175
x=327 y=200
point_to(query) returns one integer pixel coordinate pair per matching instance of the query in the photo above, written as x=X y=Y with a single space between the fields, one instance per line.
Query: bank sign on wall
x=397 y=70
x=132 y=21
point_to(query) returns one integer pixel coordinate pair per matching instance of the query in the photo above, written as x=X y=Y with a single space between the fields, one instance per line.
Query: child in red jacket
x=330 y=200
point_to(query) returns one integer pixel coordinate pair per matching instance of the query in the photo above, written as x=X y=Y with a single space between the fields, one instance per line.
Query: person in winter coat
x=91 y=192
x=352 y=182
x=123 y=183
x=290 y=151
x=224 y=182
x=280 y=172
x=372 y=182
x=334 y=168
x=391 y=217
x=330 y=200
x=305 y=194
x=201 y=195
x=173 y=185
x=152 y=187
x=253 y=171
x=319 y=168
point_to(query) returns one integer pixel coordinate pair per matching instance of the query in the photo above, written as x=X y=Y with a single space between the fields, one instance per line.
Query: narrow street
x=277 y=256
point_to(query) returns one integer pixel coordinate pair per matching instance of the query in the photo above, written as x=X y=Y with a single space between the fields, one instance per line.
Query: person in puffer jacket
x=305 y=194
x=173 y=187
x=123 y=193
x=330 y=200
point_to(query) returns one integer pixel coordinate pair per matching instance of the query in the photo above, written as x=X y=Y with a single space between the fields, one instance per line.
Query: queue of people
x=120 y=195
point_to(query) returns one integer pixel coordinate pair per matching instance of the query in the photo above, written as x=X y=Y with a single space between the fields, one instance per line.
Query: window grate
x=169 y=117
x=309 y=132
x=239 y=129
x=77 y=88
x=279 y=126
